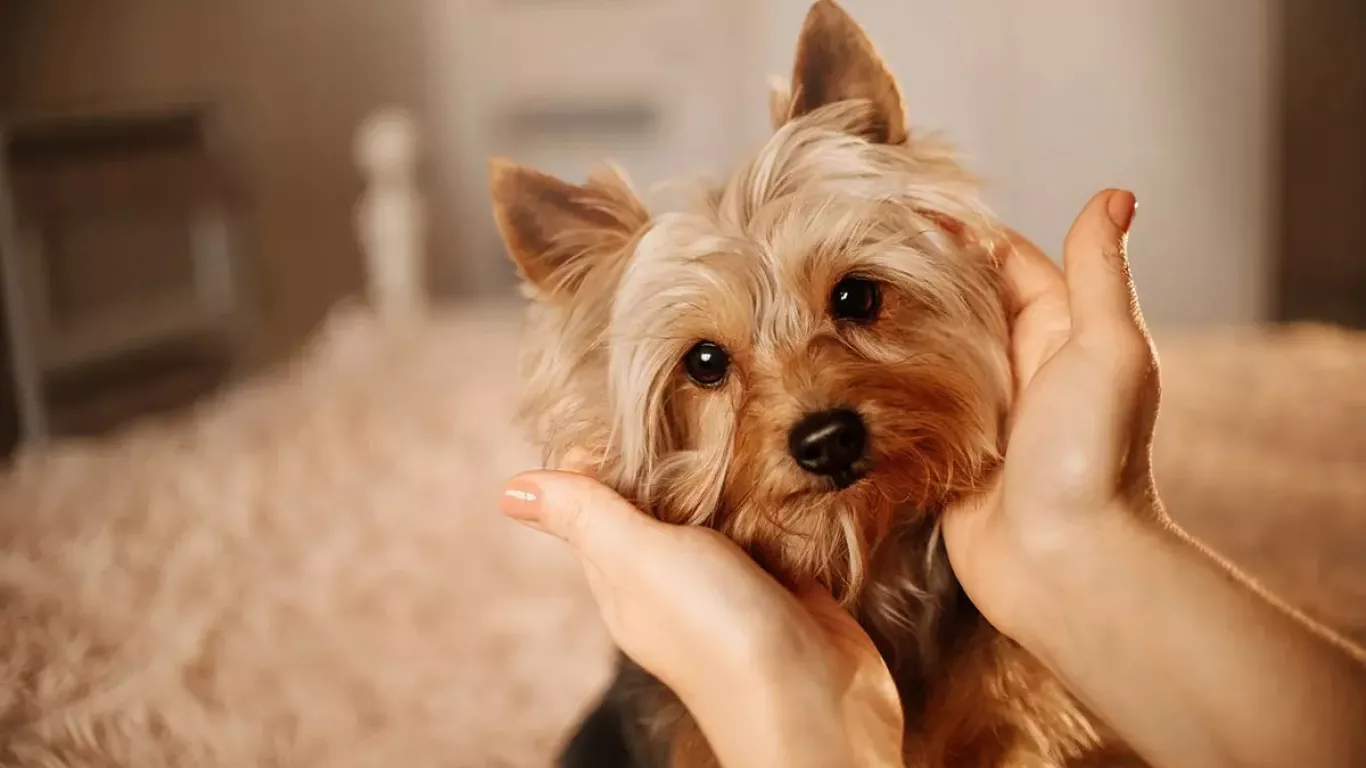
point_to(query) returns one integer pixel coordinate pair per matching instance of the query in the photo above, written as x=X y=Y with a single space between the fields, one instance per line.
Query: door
x=655 y=85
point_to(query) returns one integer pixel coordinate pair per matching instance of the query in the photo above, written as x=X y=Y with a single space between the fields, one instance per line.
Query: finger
x=576 y=508
x=1040 y=321
x=1030 y=275
x=1100 y=292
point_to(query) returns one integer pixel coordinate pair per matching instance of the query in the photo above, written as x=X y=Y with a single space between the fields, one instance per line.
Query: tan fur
x=840 y=189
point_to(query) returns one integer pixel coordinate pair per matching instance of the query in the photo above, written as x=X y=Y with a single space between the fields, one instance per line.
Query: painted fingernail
x=522 y=500
x=1121 y=207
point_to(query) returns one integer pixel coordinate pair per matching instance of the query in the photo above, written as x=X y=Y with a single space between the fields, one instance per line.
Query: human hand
x=772 y=678
x=1080 y=429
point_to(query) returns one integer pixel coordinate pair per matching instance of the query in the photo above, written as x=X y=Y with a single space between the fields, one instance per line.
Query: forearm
x=1152 y=631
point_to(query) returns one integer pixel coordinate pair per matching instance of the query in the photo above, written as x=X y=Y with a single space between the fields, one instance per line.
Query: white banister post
x=391 y=220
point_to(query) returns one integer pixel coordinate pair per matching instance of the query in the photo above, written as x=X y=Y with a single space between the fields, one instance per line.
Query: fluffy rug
x=309 y=571
x=1261 y=452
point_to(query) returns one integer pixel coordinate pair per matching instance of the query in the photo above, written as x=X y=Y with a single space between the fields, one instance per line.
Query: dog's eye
x=855 y=298
x=706 y=363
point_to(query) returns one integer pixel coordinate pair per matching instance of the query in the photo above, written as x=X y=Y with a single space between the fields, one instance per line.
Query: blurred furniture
x=119 y=246
x=390 y=217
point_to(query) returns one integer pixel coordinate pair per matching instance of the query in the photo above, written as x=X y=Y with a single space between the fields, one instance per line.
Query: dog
x=813 y=361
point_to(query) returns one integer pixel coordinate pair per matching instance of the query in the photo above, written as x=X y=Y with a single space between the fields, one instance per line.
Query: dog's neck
x=915 y=610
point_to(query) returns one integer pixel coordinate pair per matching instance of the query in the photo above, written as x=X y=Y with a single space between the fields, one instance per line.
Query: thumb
x=588 y=515
x=1097 y=270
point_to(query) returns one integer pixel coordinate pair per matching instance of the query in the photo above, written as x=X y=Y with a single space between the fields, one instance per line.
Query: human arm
x=1071 y=553
x=1188 y=660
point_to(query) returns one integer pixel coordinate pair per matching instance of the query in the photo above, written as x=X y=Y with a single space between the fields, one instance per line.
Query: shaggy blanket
x=308 y=570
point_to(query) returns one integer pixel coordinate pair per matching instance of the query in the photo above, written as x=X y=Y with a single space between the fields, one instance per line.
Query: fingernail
x=522 y=500
x=1121 y=207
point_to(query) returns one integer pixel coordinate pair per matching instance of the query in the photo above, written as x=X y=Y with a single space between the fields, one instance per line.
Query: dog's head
x=812 y=355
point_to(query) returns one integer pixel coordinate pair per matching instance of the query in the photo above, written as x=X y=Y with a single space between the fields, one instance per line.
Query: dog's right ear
x=557 y=232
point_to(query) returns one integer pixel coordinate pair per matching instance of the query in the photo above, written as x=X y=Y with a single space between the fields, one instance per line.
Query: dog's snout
x=829 y=443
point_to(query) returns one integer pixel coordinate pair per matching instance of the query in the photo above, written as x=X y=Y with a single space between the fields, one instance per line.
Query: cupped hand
x=1080 y=428
x=772 y=677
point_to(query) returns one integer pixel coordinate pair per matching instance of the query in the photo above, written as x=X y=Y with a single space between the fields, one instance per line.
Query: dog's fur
x=842 y=188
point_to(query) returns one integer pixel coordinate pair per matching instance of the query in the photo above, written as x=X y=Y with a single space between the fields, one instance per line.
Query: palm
x=1082 y=414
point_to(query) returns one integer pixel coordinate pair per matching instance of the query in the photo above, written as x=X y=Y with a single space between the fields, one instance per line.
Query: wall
x=653 y=85
x=1050 y=99
x=293 y=79
x=1055 y=99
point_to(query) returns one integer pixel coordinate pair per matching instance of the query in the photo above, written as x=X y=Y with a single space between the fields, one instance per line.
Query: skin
x=1069 y=553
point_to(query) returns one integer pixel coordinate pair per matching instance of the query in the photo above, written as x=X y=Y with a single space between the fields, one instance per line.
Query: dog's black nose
x=829 y=443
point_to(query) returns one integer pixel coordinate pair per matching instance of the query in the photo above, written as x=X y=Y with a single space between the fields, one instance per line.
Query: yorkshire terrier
x=812 y=361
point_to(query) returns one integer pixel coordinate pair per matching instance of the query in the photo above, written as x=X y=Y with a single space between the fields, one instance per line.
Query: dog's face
x=811 y=356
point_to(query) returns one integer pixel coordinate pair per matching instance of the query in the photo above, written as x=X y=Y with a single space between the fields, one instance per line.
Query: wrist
x=778 y=721
x=1055 y=576
x=847 y=715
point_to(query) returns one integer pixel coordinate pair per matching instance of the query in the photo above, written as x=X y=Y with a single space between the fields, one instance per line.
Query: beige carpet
x=1261 y=452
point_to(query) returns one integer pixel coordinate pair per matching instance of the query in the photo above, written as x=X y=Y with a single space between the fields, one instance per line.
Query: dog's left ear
x=556 y=232
x=837 y=62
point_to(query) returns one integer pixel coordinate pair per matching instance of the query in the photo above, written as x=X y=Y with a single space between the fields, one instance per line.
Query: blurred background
x=178 y=180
